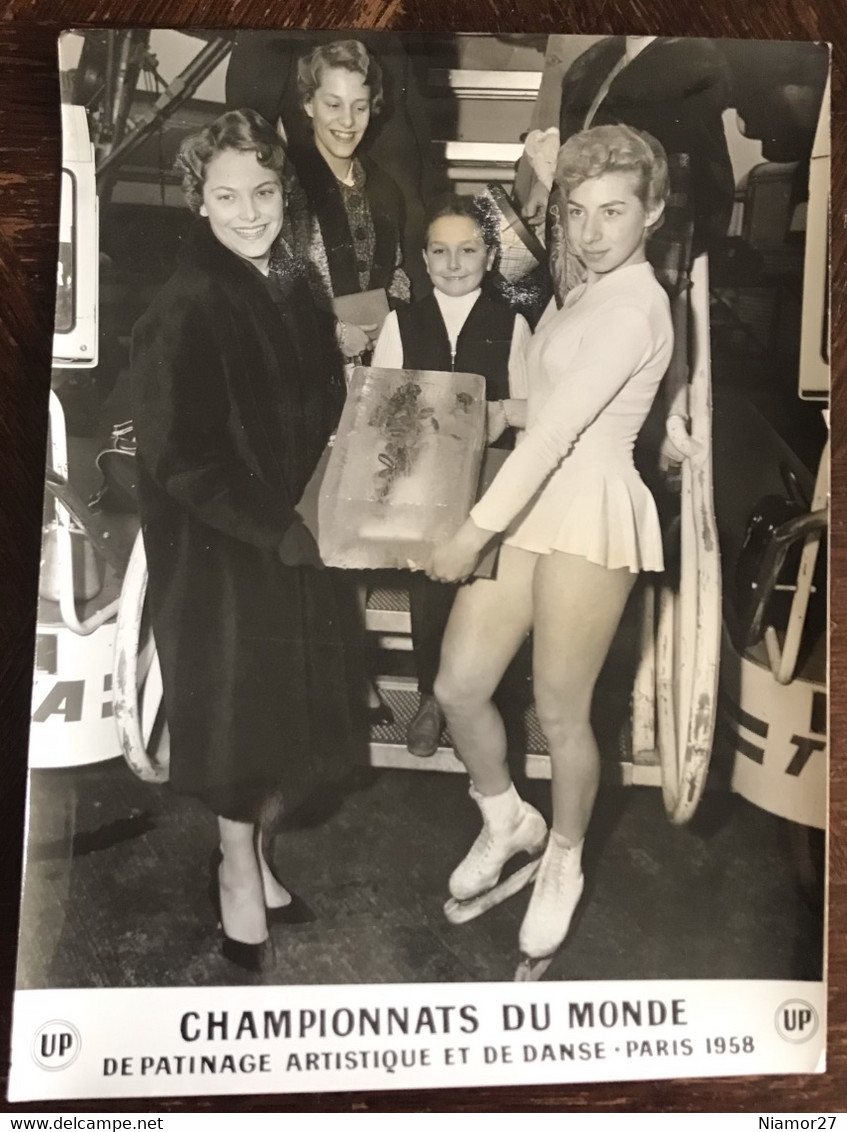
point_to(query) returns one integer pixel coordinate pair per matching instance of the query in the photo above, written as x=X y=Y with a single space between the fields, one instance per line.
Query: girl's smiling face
x=242 y=200
x=340 y=110
x=608 y=222
x=456 y=256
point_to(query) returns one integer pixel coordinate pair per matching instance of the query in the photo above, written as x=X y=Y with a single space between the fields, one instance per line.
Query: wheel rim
x=689 y=617
x=137 y=679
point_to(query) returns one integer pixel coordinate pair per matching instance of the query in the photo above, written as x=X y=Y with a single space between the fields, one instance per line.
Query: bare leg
x=242 y=897
x=578 y=606
x=489 y=620
x=276 y=894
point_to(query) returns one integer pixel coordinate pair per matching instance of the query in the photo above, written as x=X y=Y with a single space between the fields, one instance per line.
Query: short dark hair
x=475 y=208
x=242 y=130
x=349 y=55
x=615 y=149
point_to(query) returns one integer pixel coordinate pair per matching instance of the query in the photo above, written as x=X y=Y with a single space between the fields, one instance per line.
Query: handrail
x=781 y=541
x=783 y=660
x=64 y=526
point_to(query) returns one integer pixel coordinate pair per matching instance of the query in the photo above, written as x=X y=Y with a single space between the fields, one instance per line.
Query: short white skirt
x=597 y=509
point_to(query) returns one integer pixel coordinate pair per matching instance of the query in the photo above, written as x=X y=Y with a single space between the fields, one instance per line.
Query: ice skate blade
x=461 y=911
x=531 y=970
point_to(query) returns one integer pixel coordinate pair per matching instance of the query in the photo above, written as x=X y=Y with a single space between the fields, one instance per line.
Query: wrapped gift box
x=404 y=469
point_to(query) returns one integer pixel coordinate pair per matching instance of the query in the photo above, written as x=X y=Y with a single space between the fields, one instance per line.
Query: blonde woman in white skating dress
x=577 y=525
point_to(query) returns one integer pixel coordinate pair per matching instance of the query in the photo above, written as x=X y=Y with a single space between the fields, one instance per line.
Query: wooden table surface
x=29 y=199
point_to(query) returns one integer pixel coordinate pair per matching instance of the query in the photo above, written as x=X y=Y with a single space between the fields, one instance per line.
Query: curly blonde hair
x=615 y=149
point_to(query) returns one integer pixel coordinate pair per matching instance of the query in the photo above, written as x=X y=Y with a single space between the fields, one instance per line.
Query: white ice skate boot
x=558 y=888
x=509 y=826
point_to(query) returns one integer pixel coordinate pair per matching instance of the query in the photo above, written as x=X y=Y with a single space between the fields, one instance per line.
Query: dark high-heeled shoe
x=296 y=911
x=253 y=957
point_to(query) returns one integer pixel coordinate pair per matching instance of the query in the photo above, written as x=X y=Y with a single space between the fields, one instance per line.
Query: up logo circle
x=797 y=1021
x=56 y=1045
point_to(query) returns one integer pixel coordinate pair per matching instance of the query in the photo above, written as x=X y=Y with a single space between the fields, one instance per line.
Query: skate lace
x=482 y=848
x=486 y=850
x=554 y=865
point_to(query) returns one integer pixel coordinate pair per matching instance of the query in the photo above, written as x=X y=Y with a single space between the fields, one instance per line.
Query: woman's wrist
x=496 y=422
x=514 y=412
x=472 y=536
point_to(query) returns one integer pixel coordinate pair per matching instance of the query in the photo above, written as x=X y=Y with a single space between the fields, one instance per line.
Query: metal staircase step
x=387 y=611
x=388 y=743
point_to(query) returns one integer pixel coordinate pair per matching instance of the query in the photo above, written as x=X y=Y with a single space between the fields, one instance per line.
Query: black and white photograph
x=433 y=589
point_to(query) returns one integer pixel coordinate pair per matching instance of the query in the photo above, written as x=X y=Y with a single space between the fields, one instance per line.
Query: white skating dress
x=594 y=368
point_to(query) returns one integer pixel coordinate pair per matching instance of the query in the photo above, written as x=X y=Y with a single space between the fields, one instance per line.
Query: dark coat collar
x=203 y=250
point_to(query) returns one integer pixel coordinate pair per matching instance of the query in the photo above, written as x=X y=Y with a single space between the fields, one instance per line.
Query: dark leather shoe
x=253 y=957
x=297 y=911
x=258 y=958
x=425 y=729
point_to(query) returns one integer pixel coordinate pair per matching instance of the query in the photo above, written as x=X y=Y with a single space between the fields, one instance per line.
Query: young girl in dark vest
x=463 y=326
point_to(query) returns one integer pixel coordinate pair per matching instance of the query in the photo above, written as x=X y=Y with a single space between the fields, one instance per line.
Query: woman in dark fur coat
x=235 y=395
